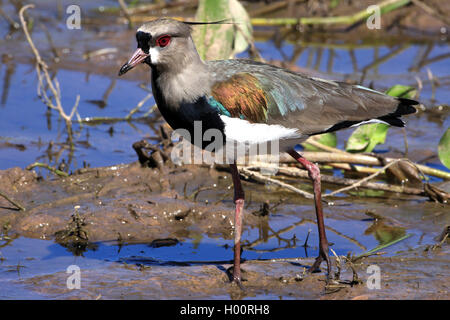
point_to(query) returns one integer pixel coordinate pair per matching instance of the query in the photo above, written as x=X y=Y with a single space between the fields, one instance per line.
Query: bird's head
x=162 y=43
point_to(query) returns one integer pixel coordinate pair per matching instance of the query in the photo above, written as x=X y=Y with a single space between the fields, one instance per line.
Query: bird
x=252 y=102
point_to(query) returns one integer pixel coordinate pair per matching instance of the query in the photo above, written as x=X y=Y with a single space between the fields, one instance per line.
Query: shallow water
x=25 y=259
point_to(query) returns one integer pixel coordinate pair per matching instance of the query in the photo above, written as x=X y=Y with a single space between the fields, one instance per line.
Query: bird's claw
x=323 y=256
x=234 y=279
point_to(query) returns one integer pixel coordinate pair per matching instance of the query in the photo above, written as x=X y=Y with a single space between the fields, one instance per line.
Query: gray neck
x=183 y=81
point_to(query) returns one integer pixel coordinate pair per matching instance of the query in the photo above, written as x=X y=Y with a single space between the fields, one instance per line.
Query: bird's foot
x=236 y=279
x=323 y=256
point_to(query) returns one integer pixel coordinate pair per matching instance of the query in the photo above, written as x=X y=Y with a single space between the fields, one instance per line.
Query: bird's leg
x=314 y=174
x=239 y=202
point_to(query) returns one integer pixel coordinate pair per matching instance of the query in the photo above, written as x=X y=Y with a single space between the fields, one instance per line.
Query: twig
x=138 y=106
x=56 y=57
x=46 y=166
x=11 y=22
x=124 y=8
x=432 y=83
x=344 y=158
x=270 y=8
x=53 y=85
x=253 y=50
x=360 y=182
x=99 y=52
x=96 y=120
x=431 y=11
x=296 y=172
x=260 y=178
x=13 y=202
x=312 y=141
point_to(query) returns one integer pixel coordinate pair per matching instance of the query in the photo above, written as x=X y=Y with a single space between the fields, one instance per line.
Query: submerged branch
x=46 y=166
x=13 y=202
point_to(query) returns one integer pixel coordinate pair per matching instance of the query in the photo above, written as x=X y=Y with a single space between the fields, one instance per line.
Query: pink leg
x=314 y=174
x=239 y=201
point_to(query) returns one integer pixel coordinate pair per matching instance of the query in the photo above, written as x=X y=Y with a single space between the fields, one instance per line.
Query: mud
x=125 y=200
x=123 y=206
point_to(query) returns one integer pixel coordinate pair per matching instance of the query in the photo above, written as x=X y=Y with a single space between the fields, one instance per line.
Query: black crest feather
x=224 y=21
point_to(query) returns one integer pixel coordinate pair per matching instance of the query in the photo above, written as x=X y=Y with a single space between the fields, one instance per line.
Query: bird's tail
x=404 y=107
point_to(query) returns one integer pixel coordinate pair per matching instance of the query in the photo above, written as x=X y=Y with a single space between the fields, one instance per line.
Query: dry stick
x=431 y=11
x=312 y=141
x=346 y=161
x=251 y=43
x=138 y=106
x=343 y=161
x=419 y=87
x=95 y=120
x=13 y=202
x=56 y=56
x=11 y=22
x=337 y=155
x=263 y=179
x=432 y=83
x=270 y=8
x=124 y=8
x=351 y=167
x=405 y=141
x=360 y=182
x=296 y=172
x=99 y=52
x=41 y=67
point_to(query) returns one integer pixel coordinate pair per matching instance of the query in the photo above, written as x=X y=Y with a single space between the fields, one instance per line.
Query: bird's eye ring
x=163 y=41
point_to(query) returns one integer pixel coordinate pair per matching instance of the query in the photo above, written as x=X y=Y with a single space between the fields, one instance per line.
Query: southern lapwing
x=251 y=102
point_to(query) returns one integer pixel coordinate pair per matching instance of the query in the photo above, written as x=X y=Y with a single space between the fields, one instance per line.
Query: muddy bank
x=402 y=277
x=124 y=202
x=117 y=208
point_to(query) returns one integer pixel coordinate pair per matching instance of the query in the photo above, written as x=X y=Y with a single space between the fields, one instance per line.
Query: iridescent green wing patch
x=241 y=96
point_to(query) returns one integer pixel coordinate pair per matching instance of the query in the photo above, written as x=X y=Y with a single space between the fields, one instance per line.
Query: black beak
x=139 y=56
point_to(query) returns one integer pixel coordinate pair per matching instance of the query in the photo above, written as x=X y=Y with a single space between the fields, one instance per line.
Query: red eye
x=163 y=41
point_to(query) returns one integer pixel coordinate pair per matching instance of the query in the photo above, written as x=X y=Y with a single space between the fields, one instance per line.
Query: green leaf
x=221 y=41
x=329 y=139
x=365 y=138
x=402 y=91
x=444 y=148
